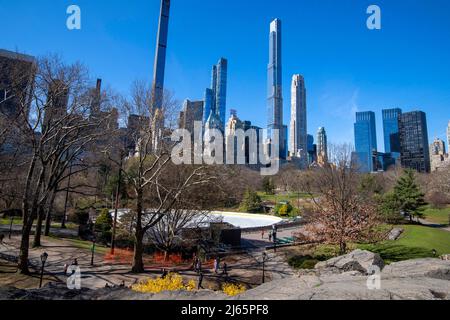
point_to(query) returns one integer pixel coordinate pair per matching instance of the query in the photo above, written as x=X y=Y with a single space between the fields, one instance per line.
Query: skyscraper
x=322 y=146
x=216 y=96
x=365 y=140
x=57 y=101
x=17 y=73
x=437 y=147
x=391 y=132
x=298 y=139
x=274 y=87
x=192 y=112
x=414 y=146
x=160 y=56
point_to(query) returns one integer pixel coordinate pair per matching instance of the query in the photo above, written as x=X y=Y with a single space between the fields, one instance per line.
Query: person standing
x=270 y=236
x=262 y=234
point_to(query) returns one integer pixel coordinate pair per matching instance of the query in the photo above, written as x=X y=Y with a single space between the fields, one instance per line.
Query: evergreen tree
x=268 y=185
x=408 y=195
x=251 y=203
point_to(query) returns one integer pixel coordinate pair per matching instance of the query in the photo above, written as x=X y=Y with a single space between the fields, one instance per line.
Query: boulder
x=429 y=267
x=358 y=260
x=395 y=233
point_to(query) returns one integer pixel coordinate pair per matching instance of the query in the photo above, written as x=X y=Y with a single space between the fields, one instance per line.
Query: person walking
x=262 y=234
x=200 y=281
x=199 y=266
x=270 y=236
x=225 y=269
x=216 y=265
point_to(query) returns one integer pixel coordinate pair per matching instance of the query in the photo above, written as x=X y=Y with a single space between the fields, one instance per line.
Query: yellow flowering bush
x=172 y=282
x=233 y=289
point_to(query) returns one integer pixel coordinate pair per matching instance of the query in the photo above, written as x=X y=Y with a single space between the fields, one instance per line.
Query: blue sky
x=346 y=66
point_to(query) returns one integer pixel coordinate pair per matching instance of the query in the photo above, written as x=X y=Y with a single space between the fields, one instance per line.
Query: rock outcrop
x=358 y=260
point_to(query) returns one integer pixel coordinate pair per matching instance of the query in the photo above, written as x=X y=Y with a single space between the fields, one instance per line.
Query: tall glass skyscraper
x=298 y=139
x=365 y=140
x=160 y=56
x=322 y=145
x=216 y=96
x=274 y=87
x=391 y=132
x=414 y=147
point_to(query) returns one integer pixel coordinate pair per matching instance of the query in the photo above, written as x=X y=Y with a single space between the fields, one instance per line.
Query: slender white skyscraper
x=275 y=88
x=298 y=139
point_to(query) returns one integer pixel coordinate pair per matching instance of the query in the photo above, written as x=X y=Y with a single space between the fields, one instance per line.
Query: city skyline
x=338 y=87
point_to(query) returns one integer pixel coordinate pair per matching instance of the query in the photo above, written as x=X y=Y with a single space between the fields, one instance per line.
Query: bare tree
x=56 y=136
x=148 y=169
x=342 y=213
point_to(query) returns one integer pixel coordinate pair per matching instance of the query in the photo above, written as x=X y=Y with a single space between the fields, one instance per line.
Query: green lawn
x=56 y=225
x=291 y=197
x=439 y=216
x=415 y=242
x=81 y=244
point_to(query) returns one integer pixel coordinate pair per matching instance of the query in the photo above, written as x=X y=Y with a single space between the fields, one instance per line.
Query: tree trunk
x=138 y=264
x=342 y=248
x=38 y=232
x=48 y=217
x=27 y=216
x=25 y=245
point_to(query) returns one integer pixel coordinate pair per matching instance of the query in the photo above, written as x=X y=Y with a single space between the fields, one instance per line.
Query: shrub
x=172 y=282
x=284 y=209
x=103 y=225
x=79 y=216
x=231 y=289
x=303 y=262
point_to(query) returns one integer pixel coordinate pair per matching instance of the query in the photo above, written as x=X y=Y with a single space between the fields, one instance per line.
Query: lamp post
x=44 y=257
x=10 y=227
x=93 y=252
x=264 y=267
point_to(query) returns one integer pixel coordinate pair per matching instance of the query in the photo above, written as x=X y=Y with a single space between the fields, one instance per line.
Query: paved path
x=244 y=268
x=434 y=225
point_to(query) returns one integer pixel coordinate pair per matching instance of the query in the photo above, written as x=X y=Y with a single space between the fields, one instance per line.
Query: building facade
x=365 y=140
x=275 y=88
x=17 y=73
x=298 y=138
x=192 y=112
x=391 y=132
x=414 y=147
x=438 y=156
x=322 y=146
x=215 y=103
